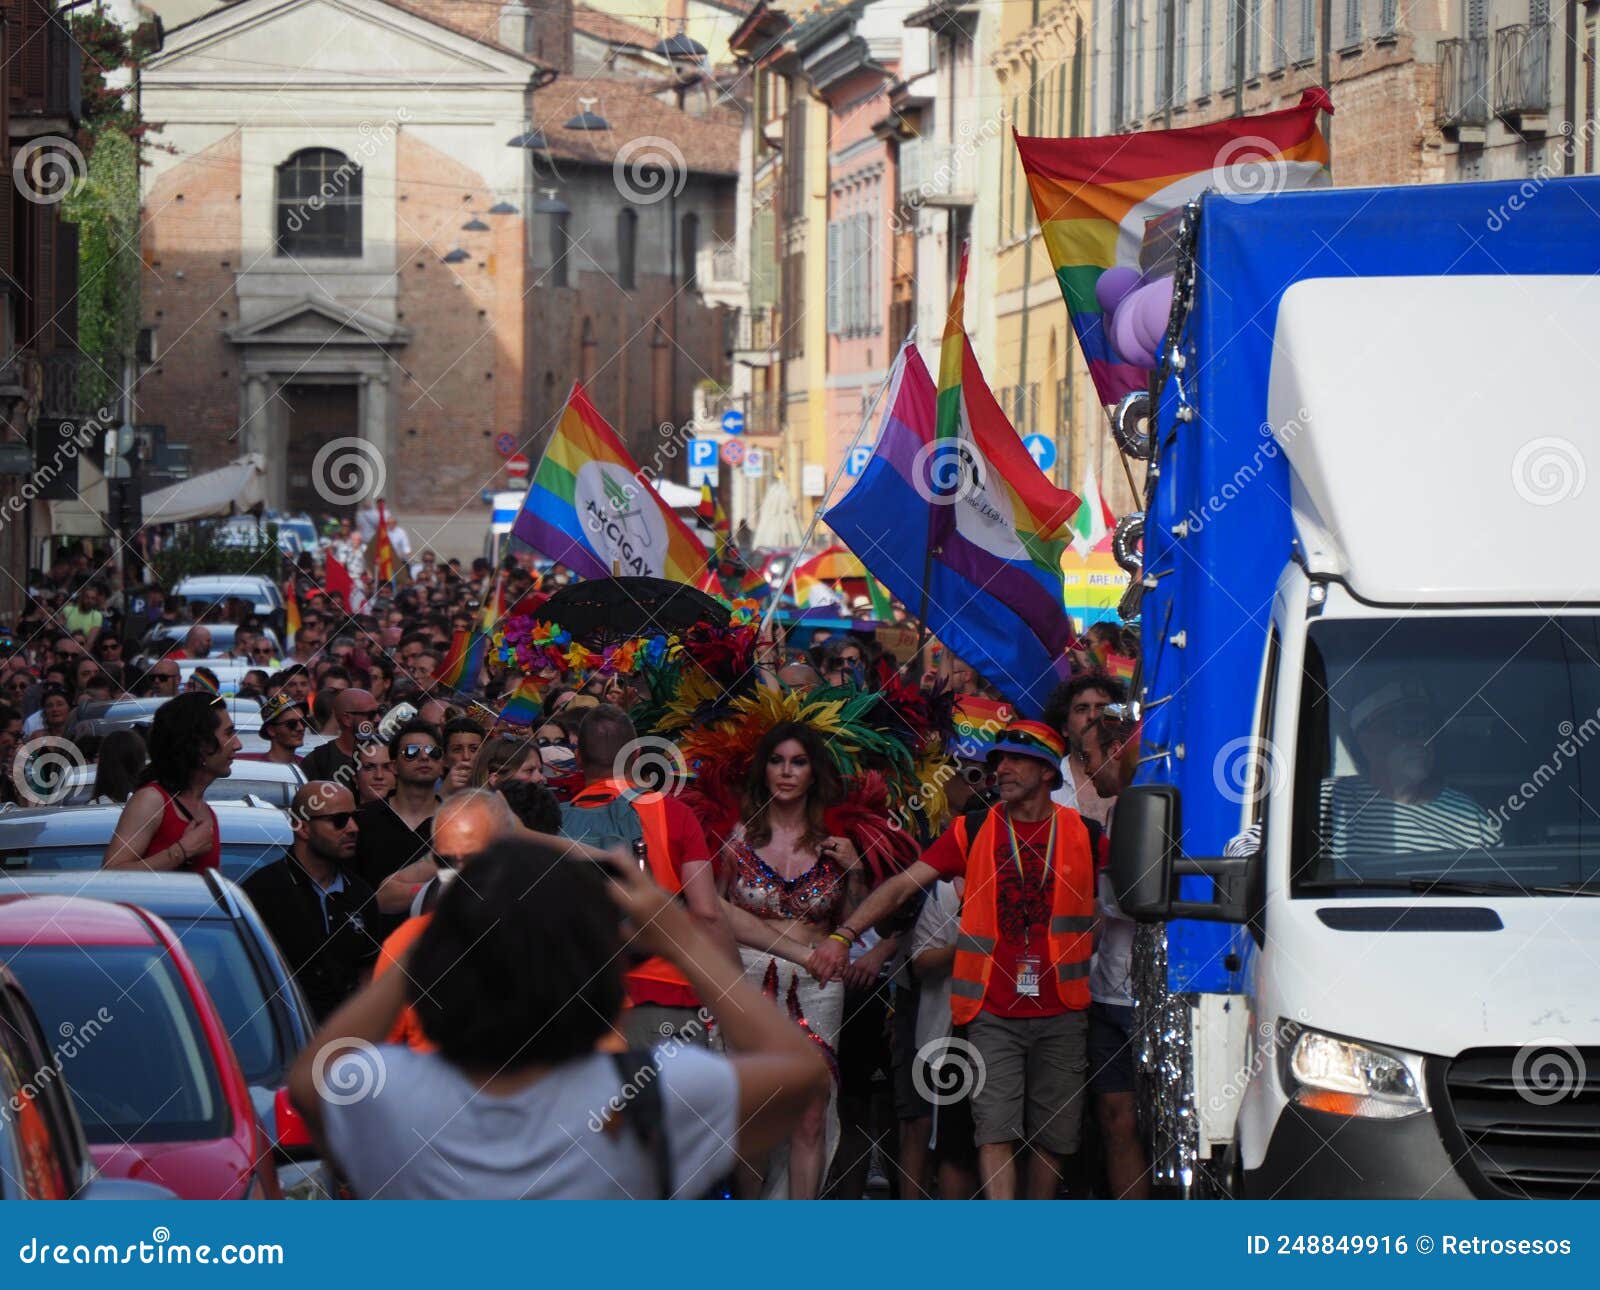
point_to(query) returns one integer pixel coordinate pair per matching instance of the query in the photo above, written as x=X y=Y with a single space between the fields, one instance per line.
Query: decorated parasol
x=608 y=611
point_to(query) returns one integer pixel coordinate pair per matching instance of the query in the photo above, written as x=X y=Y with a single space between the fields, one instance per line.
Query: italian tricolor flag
x=1094 y=518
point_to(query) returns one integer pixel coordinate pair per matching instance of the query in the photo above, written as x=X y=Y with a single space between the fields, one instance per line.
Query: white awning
x=232 y=490
x=676 y=496
x=777 y=526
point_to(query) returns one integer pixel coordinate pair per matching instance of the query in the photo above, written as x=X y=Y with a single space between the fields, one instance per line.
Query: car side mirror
x=290 y=1132
x=1148 y=865
x=1144 y=847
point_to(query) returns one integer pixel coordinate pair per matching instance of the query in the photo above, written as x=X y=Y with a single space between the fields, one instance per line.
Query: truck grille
x=1528 y=1119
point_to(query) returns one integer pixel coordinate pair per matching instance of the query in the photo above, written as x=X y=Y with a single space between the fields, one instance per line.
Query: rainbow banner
x=1093 y=196
x=525 y=707
x=976 y=555
x=592 y=509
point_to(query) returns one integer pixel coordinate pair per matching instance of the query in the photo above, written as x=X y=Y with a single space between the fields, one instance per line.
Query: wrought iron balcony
x=77 y=386
x=1461 y=104
x=1522 y=76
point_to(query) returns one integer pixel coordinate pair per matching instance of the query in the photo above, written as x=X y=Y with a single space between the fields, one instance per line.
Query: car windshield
x=131 y=1045
x=1454 y=751
x=224 y=964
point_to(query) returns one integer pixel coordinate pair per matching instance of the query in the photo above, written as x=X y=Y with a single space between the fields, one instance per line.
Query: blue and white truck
x=1371 y=621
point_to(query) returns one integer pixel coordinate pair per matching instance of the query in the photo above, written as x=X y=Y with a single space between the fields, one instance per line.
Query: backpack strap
x=637 y=1069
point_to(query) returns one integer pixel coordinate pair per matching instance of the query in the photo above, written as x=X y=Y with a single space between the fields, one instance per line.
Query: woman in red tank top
x=166 y=824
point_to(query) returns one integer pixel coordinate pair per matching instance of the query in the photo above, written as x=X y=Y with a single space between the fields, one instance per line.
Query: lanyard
x=1016 y=851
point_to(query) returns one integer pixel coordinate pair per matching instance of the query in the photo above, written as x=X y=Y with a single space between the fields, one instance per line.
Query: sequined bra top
x=813 y=897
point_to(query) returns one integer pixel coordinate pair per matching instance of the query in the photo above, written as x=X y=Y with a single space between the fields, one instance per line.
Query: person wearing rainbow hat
x=1020 y=981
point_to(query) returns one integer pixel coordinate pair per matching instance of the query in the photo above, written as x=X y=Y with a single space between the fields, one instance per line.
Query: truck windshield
x=1452 y=750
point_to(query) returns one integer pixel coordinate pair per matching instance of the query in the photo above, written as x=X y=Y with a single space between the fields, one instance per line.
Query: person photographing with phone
x=517 y=1103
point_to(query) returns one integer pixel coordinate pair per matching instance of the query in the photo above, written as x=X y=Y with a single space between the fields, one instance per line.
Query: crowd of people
x=799 y=1001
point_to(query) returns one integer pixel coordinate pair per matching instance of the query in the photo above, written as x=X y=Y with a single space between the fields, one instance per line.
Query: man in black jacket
x=316 y=907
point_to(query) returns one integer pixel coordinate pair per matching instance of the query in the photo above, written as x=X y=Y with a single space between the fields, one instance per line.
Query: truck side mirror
x=1144 y=846
x=1147 y=864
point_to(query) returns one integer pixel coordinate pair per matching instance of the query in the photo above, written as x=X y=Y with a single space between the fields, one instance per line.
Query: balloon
x=1151 y=306
x=1123 y=338
x=1113 y=285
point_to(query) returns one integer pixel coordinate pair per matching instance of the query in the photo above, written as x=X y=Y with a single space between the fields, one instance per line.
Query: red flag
x=336 y=581
x=383 y=561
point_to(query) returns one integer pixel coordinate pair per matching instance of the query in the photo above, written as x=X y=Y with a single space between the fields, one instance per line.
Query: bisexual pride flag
x=592 y=509
x=1093 y=196
x=988 y=531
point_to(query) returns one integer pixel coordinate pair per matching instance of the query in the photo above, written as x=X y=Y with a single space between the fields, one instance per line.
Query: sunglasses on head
x=336 y=818
x=412 y=752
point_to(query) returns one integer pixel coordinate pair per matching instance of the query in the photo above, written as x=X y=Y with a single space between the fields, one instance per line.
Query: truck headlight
x=1343 y=1077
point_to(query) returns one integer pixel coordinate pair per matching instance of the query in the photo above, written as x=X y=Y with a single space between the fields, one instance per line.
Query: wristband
x=844 y=934
x=843 y=940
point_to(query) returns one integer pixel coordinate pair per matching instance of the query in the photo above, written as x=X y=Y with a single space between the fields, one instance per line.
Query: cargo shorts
x=1034 y=1075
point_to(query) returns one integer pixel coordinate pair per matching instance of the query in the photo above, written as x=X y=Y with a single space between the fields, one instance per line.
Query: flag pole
x=816 y=515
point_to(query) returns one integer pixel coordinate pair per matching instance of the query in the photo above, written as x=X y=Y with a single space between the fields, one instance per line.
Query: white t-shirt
x=428 y=1133
x=936 y=929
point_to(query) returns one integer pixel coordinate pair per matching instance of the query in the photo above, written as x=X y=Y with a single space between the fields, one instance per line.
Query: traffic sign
x=733 y=452
x=702 y=462
x=733 y=421
x=1042 y=450
x=505 y=444
x=857 y=462
x=517 y=467
x=754 y=463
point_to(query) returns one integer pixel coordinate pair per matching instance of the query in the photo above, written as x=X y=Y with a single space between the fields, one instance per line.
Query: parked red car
x=144 y=1053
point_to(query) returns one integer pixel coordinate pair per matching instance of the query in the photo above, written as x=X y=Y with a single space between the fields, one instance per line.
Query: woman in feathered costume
x=790 y=881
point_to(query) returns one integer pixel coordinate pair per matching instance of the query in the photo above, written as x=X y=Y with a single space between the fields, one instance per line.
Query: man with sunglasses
x=162 y=681
x=283 y=724
x=356 y=711
x=316 y=906
x=399 y=830
x=308 y=640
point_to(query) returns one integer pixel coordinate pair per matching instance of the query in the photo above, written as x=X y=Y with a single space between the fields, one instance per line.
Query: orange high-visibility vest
x=1072 y=913
x=651 y=809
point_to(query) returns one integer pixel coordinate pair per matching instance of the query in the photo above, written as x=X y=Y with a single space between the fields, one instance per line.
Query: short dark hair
x=461 y=726
x=1059 y=704
x=481 y=996
x=605 y=732
x=416 y=726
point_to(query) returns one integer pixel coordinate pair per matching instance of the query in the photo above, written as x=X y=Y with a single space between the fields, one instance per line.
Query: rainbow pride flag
x=463 y=661
x=984 y=593
x=1093 y=196
x=978 y=723
x=525 y=707
x=592 y=509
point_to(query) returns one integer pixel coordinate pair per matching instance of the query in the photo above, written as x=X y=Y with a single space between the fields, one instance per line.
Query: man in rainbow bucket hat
x=1020 y=981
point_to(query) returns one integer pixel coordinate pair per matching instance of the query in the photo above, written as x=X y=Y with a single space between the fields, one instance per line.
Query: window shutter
x=1207 y=37
x=1391 y=16
x=1308 y=29
x=1180 y=68
x=833 y=278
x=1477 y=17
x=1352 y=21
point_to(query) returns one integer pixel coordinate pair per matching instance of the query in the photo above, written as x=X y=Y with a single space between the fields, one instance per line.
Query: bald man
x=464 y=825
x=356 y=713
x=317 y=908
x=802 y=678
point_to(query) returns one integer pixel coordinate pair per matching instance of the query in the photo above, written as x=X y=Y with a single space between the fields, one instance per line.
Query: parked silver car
x=53 y=839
